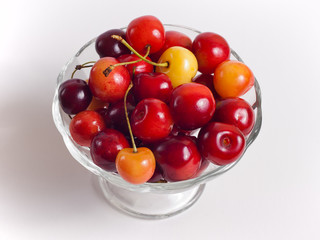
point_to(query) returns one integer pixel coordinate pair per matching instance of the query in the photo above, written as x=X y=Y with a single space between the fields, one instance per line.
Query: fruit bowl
x=148 y=200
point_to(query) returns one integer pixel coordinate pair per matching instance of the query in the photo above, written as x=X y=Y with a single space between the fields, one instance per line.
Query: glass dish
x=149 y=200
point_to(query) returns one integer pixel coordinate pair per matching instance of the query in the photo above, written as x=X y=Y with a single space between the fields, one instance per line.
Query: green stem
x=127 y=118
x=124 y=42
x=109 y=69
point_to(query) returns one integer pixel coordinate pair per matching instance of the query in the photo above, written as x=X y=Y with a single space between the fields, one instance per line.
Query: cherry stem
x=84 y=65
x=127 y=118
x=124 y=42
x=109 y=69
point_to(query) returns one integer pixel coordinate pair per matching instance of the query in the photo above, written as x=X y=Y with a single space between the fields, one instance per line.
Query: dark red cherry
x=178 y=157
x=105 y=147
x=74 y=96
x=106 y=46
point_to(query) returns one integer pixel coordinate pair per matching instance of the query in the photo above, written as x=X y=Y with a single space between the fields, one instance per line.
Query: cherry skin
x=152 y=85
x=84 y=126
x=144 y=31
x=97 y=104
x=210 y=49
x=182 y=67
x=173 y=38
x=178 y=157
x=139 y=67
x=232 y=79
x=116 y=114
x=192 y=105
x=106 y=46
x=157 y=175
x=151 y=120
x=113 y=87
x=235 y=111
x=221 y=143
x=136 y=167
x=207 y=80
x=74 y=96
x=105 y=146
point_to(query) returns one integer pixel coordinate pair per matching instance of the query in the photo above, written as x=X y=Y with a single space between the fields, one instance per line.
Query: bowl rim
x=114 y=178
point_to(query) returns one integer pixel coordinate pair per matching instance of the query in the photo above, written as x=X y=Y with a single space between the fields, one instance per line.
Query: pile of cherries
x=157 y=106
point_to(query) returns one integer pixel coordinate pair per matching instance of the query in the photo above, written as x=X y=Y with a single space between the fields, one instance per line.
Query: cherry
x=110 y=88
x=181 y=66
x=210 y=50
x=136 y=68
x=105 y=147
x=152 y=85
x=178 y=157
x=173 y=38
x=116 y=114
x=144 y=31
x=135 y=165
x=192 y=105
x=235 y=111
x=221 y=143
x=84 y=126
x=151 y=120
x=177 y=62
x=109 y=47
x=207 y=80
x=232 y=79
x=74 y=96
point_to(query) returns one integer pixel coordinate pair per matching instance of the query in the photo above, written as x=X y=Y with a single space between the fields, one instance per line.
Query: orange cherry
x=136 y=167
x=232 y=79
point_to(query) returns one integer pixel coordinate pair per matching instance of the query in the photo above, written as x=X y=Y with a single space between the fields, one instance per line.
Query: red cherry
x=105 y=147
x=152 y=85
x=192 y=105
x=221 y=143
x=151 y=120
x=113 y=87
x=84 y=126
x=173 y=38
x=139 y=67
x=210 y=50
x=235 y=111
x=178 y=157
x=144 y=31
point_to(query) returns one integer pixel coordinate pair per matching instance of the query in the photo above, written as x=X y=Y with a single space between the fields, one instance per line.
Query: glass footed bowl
x=148 y=200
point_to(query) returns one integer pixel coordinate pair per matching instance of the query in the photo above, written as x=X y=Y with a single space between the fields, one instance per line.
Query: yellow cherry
x=182 y=65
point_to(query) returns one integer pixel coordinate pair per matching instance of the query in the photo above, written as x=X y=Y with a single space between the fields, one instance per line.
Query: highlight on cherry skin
x=159 y=106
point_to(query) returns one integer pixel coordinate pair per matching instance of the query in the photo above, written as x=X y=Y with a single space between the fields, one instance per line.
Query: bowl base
x=149 y=205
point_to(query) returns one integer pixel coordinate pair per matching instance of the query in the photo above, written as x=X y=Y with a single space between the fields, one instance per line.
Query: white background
x=273 y=193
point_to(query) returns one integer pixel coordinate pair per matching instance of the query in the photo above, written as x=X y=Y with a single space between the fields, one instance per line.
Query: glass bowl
x=148 y=200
